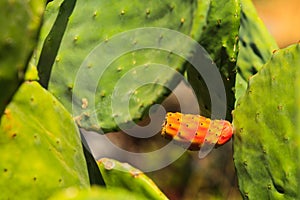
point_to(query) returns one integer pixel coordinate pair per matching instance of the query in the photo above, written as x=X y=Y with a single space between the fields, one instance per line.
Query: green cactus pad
x=220 y=39
x=94 y=22
x=256 y=45
x=95 y=193
x=116 y=174
x=20 y=22
x=267 y=139
x=50 y=15
x=40 y=149
x=61 y=11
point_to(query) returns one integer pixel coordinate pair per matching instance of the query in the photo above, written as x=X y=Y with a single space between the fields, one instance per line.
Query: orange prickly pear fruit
x=195 y=130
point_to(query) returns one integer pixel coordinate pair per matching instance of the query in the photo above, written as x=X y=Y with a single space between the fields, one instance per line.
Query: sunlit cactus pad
x=40 y=150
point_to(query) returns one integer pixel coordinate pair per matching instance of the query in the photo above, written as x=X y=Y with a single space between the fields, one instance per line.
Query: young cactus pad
x=123 y=175
x=41 y=150
x=194 y=130
x=267 y=139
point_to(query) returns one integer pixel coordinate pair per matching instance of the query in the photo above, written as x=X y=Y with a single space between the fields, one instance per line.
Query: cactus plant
x=44 y=138
x=266 y=143
x=95 y=193
x=116 y=174
x=16 y=48
x=47 y=153
x=220 y=40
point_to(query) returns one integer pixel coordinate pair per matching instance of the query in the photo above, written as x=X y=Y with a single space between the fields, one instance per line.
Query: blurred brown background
x=282 y=18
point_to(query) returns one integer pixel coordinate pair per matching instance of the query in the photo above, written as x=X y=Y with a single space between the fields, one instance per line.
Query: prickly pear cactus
x=20 y=22
x=116 y=174
x=220 y=40
x=95 y=193
x=95 y=22
x=47 y=152
x=256 y=45
x=267 y=139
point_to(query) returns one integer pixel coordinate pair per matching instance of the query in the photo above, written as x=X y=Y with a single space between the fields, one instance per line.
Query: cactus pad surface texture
x=267 y=139
x=41 y=150
x=98 y=22
x=220 y=40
